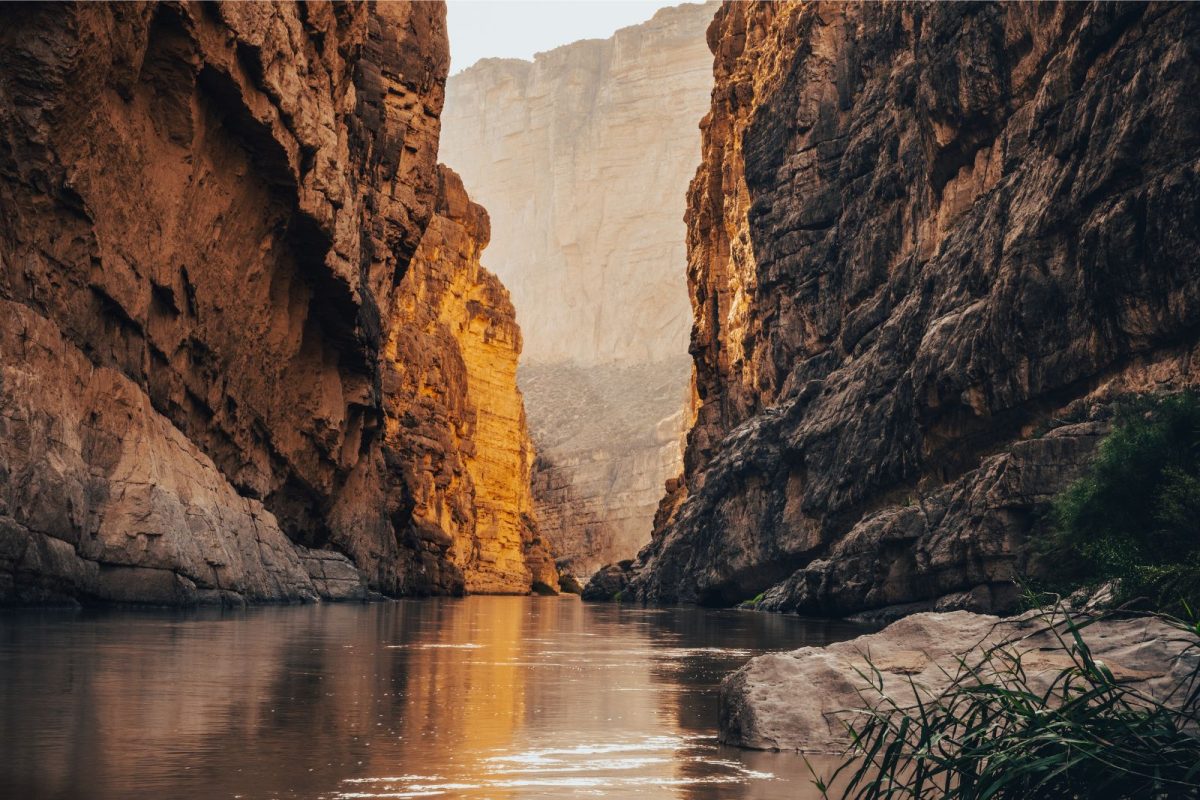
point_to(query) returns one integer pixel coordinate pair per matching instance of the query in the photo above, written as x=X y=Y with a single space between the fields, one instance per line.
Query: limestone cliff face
x=207 y=211
x=607 y=439
x=583 y=157
x=928 y=244
x=455 y=422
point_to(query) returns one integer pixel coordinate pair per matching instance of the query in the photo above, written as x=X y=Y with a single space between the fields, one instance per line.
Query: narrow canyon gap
x=583 y=156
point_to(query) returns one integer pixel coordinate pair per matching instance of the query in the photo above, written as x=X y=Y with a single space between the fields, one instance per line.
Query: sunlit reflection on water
x=570 y=771
x=500 y=698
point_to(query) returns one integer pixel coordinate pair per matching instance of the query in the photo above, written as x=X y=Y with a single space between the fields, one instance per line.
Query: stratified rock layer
x=920 y=236
x=602 y=457
x=583 y=157
x=207 y=211
x=455 y=421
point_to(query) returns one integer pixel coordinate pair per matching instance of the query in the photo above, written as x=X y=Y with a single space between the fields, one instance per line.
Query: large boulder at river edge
x=801 y=700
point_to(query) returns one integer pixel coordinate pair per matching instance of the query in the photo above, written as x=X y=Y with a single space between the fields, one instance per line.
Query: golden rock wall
x=454 y=410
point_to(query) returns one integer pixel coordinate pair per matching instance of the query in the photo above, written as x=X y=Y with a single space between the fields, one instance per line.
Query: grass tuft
x=994 y=733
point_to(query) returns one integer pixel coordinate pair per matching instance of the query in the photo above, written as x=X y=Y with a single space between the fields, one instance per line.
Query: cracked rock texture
x=927 y=246
x=589 y=149
x=607 y=438
x=803 y=699
x=455 y=422
x=208 y=209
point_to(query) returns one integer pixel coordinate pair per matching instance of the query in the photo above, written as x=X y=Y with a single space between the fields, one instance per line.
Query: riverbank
x=803 y=700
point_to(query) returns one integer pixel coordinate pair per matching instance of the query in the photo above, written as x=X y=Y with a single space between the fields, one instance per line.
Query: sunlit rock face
x=583 y=158
x=455 y=423
x=207 y=211
x=927 y=245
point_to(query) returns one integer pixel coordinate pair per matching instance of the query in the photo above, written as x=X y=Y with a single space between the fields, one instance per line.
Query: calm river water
x=505 y=698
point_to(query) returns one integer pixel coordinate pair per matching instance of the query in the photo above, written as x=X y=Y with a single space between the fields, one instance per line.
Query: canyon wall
x=928 y=246
x=209 y=210
x=607 y=438
x=455 y=420
x=583 y=157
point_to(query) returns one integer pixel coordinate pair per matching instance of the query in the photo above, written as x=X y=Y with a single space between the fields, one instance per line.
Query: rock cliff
x=455 y=423
x=607 y=438
x=208 y=209
x=927 y=246
x=589 y=149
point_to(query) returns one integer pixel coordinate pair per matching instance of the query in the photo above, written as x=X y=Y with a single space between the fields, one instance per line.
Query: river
x=507 y=698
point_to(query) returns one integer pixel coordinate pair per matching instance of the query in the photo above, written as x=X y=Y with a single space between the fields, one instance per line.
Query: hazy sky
x=520 y=28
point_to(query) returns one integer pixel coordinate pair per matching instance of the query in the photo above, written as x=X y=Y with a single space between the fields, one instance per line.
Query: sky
x=520 y=28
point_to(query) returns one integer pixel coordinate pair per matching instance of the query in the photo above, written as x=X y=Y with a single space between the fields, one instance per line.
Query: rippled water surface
x=485 y=697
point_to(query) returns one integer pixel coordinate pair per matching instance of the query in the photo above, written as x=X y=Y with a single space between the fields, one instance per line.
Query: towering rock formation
x=928 y=245
x=208 y=209
x=455 y=421
x=583 y=157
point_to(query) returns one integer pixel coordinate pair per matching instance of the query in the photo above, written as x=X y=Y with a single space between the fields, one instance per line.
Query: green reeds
x=997 y=733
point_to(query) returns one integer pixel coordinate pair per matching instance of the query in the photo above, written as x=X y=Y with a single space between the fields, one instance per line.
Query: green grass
x=1132 y=520
x=753 y=601
x=1134 y=517
x=992 y=734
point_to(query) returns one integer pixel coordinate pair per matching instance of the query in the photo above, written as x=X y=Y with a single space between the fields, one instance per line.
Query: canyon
x=248 y=351
x=929 y=247
x=813 y=308
x=583 y=157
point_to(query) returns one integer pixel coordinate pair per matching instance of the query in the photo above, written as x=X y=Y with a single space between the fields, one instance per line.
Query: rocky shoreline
x=801 y=700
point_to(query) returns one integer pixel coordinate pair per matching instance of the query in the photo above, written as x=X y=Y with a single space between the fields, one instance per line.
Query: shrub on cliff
x=1135 y=516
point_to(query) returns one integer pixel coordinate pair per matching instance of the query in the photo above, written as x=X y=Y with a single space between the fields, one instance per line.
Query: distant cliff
x=608 y=437
x=583 y=157
x=928 y=244
x=209 y=214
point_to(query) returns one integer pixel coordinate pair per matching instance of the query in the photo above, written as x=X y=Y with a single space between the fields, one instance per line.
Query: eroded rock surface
x=207 y=211
x=928 y=245
x=589 y=150
x=607 y=437
x=803 y=699
x=455 y=421
x=102 y=496
x=608 y=583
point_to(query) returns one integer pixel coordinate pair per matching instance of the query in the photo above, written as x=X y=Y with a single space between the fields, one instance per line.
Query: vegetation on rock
x=998 y=732
x=1132 y=521
x=1134 y=517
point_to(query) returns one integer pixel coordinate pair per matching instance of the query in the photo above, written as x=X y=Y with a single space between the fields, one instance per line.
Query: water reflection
x=504 y=698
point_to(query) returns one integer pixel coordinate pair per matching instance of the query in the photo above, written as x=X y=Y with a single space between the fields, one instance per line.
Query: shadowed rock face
x=583 y=157
x=208 y=211
x=920 y=236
